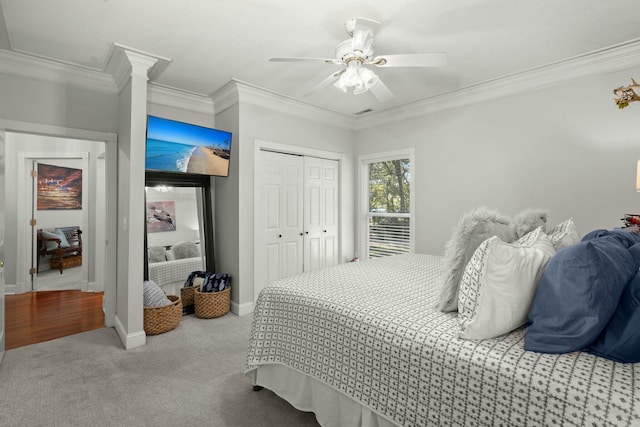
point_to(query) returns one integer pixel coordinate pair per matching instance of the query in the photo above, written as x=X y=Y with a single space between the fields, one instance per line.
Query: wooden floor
x=35 y=317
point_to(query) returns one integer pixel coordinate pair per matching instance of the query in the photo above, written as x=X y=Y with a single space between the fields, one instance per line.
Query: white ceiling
x=212 y=41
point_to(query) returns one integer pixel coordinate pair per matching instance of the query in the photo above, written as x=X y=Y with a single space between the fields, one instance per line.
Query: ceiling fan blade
x=324 y=83
x=381 y=91
x=434 y=59
x=303 y=59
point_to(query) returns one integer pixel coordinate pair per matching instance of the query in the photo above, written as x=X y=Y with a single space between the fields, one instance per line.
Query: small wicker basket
x=158 y=320
x=212 y=304
x=187 y=295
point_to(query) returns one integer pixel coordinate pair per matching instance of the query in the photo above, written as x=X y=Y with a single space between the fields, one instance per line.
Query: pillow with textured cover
x=564 y=234
x=620 y=339
x=153 y=296
x=156 y=254
x=499 y=283
x=185 y=250
x=579 y=292
x=527 y=221
x=473 y=228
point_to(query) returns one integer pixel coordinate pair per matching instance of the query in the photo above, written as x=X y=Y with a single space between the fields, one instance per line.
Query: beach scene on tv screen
x=181 y=147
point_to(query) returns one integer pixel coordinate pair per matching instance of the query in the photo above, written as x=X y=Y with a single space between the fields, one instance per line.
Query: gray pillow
x=185 y=250
x=153 y=296
x=527 y=221
x=474 y=228
x=564 y=234
x=156 y=254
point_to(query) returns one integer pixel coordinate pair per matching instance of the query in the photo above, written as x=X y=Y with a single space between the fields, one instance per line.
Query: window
x=387 y=220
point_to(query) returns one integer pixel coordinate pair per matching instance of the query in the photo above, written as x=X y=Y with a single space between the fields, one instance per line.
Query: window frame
x=363 y=198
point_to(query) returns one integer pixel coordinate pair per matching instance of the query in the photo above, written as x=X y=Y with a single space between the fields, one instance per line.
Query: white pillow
x=499 y=283
x=474 y=228
x=55 y=234
x=564 y=234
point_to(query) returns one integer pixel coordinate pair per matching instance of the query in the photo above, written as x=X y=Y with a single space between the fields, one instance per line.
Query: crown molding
x=237 y=91
x=603 y=61
x=124 y=61
x=172 y=97
x=611 y=59
x=28 y=66
x=225 y=97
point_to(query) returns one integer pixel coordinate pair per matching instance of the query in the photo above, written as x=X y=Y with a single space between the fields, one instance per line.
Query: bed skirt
x=331 y=407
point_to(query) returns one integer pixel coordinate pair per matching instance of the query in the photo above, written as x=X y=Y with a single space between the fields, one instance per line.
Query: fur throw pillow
x=527 y=221
x=185 y=250
x=156 y=254
x=474 y=228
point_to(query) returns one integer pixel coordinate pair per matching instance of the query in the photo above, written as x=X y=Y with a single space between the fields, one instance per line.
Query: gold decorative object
x=626 y=94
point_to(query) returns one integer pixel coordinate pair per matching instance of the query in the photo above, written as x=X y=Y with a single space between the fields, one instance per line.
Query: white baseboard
x=137 y=339
x=10 y=289
x=241 y=309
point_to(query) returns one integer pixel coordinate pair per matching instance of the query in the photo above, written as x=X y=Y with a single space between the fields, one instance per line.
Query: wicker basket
x=187 y=295
x=212 y=304
x=158 y=320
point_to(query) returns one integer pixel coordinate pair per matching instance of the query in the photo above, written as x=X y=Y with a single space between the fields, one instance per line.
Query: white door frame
x=258 y=239
x=25 y=201
x=110 y=139
x=3 y=192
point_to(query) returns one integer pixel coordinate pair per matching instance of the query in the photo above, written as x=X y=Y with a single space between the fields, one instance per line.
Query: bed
x=362 y=344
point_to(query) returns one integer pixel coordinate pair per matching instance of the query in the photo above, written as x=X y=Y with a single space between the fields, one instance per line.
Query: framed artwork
x=161 y=216
x=59 y=188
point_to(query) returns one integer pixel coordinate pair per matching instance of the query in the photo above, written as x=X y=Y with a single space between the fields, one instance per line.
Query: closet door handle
x=306 y=232
x=279 y=235
x=324 y=231
x=302 y=234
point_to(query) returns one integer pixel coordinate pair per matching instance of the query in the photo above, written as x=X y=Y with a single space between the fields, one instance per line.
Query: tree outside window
x=389 y=210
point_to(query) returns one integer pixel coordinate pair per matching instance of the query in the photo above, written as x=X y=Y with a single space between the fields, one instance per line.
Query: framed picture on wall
x=161 y=216
x=59 y=188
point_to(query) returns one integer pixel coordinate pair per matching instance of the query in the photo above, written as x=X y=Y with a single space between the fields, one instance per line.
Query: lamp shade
x=638 y=177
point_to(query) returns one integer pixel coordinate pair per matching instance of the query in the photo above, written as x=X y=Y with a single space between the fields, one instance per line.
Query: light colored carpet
x=191 y=376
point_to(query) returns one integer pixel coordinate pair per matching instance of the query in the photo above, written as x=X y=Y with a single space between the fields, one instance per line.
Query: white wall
x=567 y=148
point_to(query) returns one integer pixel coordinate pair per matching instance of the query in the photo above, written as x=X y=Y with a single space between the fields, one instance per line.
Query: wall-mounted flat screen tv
x=180 y=147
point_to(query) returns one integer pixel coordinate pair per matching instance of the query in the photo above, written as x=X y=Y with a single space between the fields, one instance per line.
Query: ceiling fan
x=357 y=53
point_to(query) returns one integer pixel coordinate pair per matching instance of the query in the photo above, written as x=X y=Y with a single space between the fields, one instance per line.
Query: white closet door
x=330 y=212
x=320 y=213
x=313 y=213
x=282 y=191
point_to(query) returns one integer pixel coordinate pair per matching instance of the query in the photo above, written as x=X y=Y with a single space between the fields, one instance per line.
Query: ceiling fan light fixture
x=360 y=78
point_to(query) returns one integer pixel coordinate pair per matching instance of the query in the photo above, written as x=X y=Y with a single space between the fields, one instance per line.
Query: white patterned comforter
x=370 y=330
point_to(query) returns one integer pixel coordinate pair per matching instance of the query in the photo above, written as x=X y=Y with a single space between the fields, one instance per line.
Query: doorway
x=60 y=208
x=96 y=153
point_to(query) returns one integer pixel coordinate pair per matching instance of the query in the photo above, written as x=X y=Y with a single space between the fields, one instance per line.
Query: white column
x=131 y=160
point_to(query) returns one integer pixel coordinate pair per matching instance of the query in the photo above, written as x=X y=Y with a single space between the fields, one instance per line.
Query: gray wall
x=235 y=194
x=47 y=103
x=566 y=148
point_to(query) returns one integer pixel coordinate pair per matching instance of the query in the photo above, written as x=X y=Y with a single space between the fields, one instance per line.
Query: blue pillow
x=620 y=340
x=578 y=294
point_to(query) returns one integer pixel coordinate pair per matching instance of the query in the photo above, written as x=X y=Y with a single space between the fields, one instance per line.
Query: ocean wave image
x=169 y=156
